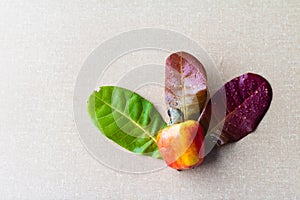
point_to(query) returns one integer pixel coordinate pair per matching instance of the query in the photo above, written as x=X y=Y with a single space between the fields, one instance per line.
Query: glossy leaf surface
x=248 y=98
x=185 y=85
x=126 y=118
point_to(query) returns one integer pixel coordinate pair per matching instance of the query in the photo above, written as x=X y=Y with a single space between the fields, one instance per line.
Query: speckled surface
x=43 y=45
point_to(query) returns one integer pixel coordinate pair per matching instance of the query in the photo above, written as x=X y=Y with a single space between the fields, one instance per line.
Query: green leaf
x=127 y=119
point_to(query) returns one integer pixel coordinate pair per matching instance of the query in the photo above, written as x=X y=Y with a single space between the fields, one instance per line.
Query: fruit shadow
x=214 y=159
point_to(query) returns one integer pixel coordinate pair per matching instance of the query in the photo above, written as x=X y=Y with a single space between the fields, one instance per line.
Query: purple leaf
x=248 y=98
x=185 y=87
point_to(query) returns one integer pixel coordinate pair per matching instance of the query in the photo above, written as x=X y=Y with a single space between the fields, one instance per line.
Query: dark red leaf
x=248 y=98
x=185 y=86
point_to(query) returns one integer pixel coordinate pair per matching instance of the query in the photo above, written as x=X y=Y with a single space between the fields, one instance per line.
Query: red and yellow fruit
x=182 y=145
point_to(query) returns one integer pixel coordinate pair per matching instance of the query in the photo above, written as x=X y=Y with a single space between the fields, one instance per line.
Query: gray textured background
x=43 y=45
